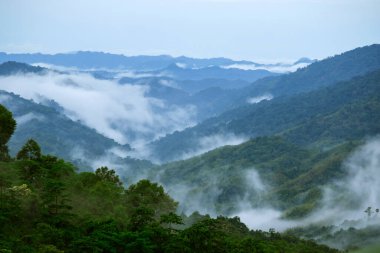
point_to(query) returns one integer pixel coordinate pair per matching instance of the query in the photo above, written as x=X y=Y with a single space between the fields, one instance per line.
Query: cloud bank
x=120 y=112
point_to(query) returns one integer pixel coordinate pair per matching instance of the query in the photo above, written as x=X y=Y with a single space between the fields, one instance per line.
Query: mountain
x=213 y=72
x=47 y=207
x=265 y=171
x=210 y=97
x=304 y=60
x=193 y=86
x=304 y=141
x=90 y=60
x=321 y=73
x=87 y=60
x=60 y=136
x=287 y=109
x=13 y=68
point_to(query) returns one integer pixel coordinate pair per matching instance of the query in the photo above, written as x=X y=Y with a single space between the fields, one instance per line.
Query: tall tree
x=7 y=127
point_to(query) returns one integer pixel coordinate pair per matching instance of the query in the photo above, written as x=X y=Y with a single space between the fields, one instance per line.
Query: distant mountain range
x=298 y=145
x=100 y=60
x=212 y=72
x=274 y=144
x=292 y=131
x=285 y=110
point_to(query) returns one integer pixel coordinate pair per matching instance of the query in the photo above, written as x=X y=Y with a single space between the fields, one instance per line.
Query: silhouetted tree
x=7 y=127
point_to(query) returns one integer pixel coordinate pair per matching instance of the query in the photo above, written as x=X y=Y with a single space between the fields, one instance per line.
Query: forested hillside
x=322 y=118
x=46 y=206
x=294 y=146
x=292 y=176
x=306 y=140
x=341 y=67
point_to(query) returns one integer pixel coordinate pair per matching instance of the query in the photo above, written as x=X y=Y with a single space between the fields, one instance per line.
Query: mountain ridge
x=223 y=123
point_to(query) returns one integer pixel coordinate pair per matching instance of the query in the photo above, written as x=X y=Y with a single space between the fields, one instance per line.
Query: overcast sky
x=240 y=29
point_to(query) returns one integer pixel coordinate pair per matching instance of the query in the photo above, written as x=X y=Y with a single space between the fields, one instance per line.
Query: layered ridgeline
x=309 y=165
x=261 y=173
x=287 y=109
x=297 y=146
x=107 y=61
x=45 y=206
x=341 y=67
x=174 y=106
x=309 y=136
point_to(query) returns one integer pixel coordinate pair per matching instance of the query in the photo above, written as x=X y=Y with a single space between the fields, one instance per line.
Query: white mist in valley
x=347 y=199
x=125 y=114
x=211 y=142
x=203 y=196
x=121 y=112
x=344 y=201
x=258 y=99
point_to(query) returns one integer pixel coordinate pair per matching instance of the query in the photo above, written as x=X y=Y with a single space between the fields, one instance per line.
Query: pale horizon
x=253 y=30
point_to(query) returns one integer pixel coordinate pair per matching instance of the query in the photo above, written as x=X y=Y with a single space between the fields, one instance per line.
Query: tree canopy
x=7 y=127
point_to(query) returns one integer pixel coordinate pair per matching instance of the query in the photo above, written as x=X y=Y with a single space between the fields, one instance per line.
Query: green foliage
x=344 y=237
x=329 y=116
x=171 y=218
x=7 y=127
x=105 y=174
x=293 y=173
x=149 y=196
x=331 y=70
x=46 y=207
x=309 y=136
x=30 y=151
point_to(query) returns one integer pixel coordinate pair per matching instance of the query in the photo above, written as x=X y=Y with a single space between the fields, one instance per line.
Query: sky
x=263 y=30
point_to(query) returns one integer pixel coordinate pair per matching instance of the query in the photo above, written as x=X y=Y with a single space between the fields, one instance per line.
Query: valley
x=294 y=152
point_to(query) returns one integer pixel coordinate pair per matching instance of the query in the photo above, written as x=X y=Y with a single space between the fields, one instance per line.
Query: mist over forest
x=301 y=160
x=190 y=126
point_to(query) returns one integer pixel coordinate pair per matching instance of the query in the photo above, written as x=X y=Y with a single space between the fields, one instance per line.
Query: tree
x=171 y=219
x=149 y=195
x=140 y=218
x=7 y=127
x=369 y=212
x=105 y=174
x=30 y=151
x=54 y=192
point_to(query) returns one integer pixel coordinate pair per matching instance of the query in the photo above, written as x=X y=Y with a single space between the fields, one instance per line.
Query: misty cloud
x=120 y=112
x=28 y=117
x=276 y=68
x=203 y=196
x=207 y=143
x=344 y=200
x=169 y=83
x=348 y=198
x=4 y=98
x=258 y=99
